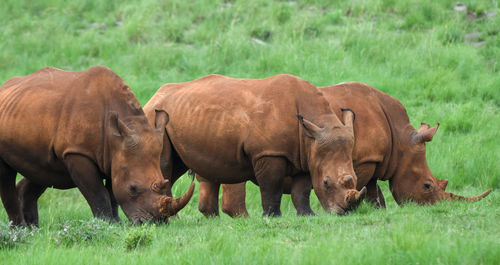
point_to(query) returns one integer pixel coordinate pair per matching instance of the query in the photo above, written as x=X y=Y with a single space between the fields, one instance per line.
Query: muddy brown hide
x=386 y=147
x=67 y=129
x=232 y=130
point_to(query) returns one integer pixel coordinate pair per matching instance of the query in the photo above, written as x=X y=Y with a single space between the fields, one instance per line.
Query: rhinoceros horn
x=452 y=197
x=425 y=133
x=170 y=206
x=362 y=193
x=354 y=197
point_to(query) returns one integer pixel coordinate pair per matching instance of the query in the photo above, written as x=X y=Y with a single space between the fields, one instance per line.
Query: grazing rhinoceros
x=66 y=129
x=386 y=147
x=232 y=130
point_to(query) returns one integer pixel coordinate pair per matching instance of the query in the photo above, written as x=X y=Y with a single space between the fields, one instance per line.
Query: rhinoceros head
x=330 y=162
x=137 y=181
x=413 y=180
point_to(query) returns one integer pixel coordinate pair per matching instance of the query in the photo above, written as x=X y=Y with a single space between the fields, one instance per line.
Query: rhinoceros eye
x=325 y=184
x=133 y=189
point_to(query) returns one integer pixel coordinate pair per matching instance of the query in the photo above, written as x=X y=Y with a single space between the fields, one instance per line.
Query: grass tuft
x=11 y=237
x=74 y=232
x=139 y=237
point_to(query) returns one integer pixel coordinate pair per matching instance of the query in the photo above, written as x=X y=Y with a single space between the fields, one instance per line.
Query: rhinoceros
x=66 y=129
x=386 y=147
x=231 y=130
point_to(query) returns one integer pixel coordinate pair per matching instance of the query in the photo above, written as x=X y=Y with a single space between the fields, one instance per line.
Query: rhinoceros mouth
x=340 y=211
x=160 y=220
x=337 y=209
x=153 y=220
x=141 y=217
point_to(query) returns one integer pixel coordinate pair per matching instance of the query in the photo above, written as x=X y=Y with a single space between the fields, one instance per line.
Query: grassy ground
x=440 y=63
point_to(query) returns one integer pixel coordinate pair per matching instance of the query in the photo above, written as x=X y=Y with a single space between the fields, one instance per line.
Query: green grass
x=448 y=233
x=417 y=51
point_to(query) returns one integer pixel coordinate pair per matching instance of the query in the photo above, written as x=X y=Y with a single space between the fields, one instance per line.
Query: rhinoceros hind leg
x=270 y=173
x=9 y=196
x=208 y=204
x=85 y=175
x=233 y=200
x=29 y=193
x=374 y=194
x=301 y=192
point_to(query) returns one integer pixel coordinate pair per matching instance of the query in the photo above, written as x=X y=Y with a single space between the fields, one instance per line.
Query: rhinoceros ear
x=425 y=133
x=161 y=120
x=311 y=130
x=348 y=117
x=116 y=126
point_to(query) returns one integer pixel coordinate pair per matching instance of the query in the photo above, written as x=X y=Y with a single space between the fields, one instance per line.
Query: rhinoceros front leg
x=374 y=194
x=270 y=172
x=114 y=203
x=29 y=193
x=85 y=175
x=208 y=204
x=365 y=173
x=233 y=199
x=8 y=193
x=301 y=192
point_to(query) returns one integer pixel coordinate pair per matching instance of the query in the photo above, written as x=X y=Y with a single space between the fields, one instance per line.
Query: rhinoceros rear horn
x=159 y=186
x=425 y=133
x=161 y=120
x=348 y=181
x=454 y=197
x=442 y=183
x=170 y=206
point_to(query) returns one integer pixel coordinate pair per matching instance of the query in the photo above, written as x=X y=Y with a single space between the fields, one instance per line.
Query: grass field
x=442 y=64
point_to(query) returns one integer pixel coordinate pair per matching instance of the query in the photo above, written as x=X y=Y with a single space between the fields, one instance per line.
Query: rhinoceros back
x=52 y=112
x=378 y=116
x=220 y=126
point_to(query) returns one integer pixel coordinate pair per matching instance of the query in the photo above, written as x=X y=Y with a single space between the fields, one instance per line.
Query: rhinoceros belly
x=40 y=167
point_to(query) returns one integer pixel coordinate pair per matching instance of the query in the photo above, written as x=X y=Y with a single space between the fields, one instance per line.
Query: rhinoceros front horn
x=453 y=197
x=170 y=206
x=361 y=195
x=354 y=197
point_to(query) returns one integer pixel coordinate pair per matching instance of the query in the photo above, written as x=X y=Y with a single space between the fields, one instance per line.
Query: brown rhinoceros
x=67 y=129
x=386 y=147
x=232 y=130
